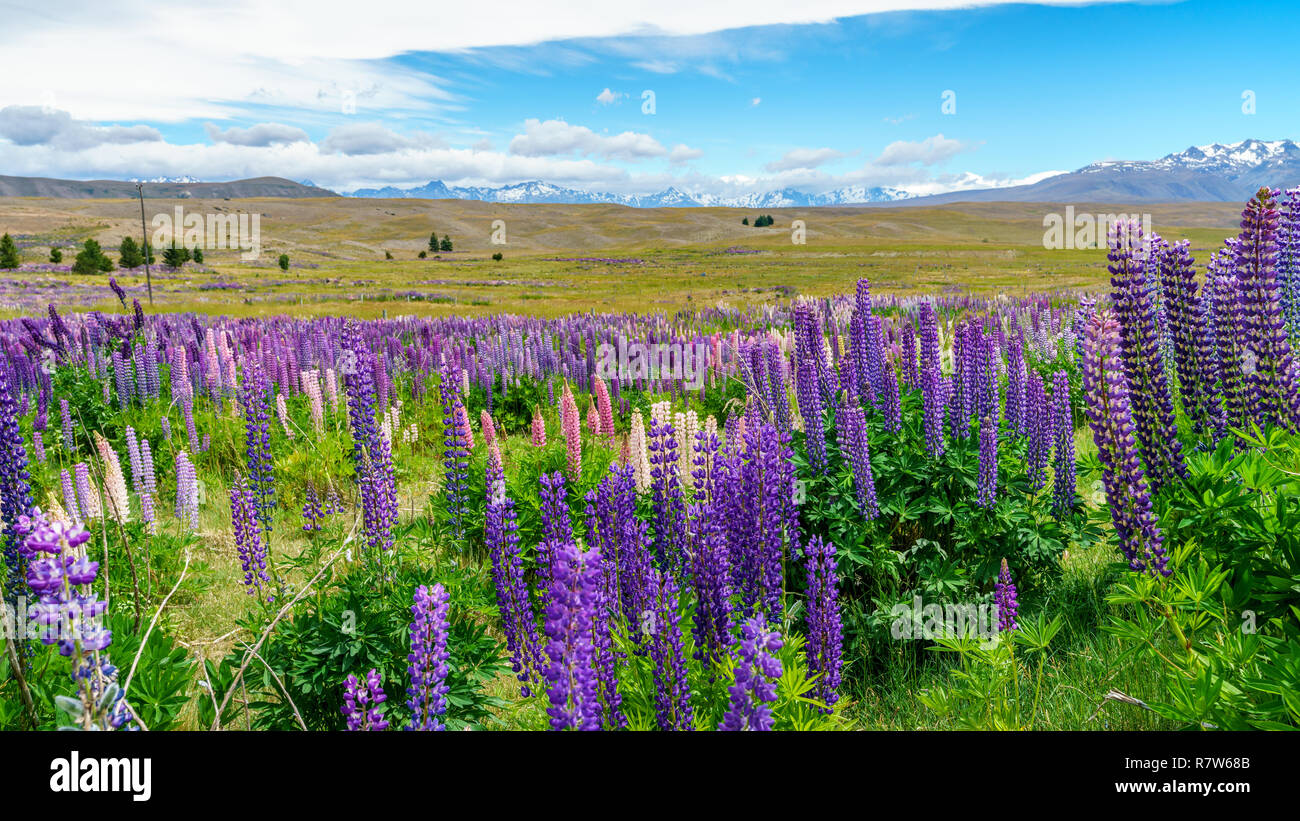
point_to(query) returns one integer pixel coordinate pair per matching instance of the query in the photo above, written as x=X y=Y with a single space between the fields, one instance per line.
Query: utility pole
x=148 y=280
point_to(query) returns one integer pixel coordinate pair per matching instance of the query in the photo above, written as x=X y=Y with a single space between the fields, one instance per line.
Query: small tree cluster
x=91 y=259
x=8 y=253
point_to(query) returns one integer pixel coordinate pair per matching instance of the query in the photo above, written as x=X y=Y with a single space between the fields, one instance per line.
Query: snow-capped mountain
x=1201 y=173
x=169 y=180
x=540 y=192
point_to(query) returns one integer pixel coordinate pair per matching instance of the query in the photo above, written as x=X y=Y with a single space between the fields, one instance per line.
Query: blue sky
x=471 y=99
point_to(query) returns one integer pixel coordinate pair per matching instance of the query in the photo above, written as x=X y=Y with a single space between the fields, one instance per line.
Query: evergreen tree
x=91 y=259
x=445 y=245
x=284 y=262
x=9 y=253
x=56 y=256
x=433 y=242
x=174 y=257
x=129 y=254
x=197 y=254
x=745 y=221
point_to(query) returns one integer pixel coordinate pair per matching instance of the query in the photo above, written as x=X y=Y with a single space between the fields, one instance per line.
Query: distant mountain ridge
x=182 y=188
x=536 y=191
x=1201 y=173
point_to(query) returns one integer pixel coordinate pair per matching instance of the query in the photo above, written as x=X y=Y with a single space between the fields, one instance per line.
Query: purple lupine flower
x=891 y=406
x=987 y=489
x=1063 y=466
x=931 y=377
x=1017 y=376
x=166 y=425
x=1004 y=594
x=825 y=645
x=1191 y=346
x=851 y=432
x=149 y=481
x=711 y=571
x=248 y=536
x=668 y=505
x=15 y=484
x=1288 y=263
x=571 y=681
x=907 y=347
x=1038 y=418
x=455 y=453
x=672 y=690
x=192 y=434
x=312 y=515
x=1111 y=420
x=757 y=670
x=427 y=663
x=1230 y=339
x=557 y=528
x=255 y=404
x=1273 y=398
x=361 y=703
x=1144 y=369
x=808 y=394
x=501 y=535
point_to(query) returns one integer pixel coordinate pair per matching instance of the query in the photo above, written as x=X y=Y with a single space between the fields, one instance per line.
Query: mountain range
x=1206 y=173
x=535 y=191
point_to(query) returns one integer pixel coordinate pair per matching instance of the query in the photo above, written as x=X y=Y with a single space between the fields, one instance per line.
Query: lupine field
x=1063 y=511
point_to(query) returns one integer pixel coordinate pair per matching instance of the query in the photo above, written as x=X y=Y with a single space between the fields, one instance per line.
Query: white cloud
x=372 y=138
x=804 y=158
x=683 y=153
x=931 y=150
x=608 y=97
x=552 y=138
x=756 y=101
x=262 y=134
x=36 y=125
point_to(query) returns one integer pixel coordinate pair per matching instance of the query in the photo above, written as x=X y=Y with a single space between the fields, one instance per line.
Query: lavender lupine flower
x=69 y=444
x=361 y=703
x=907 y=347
x=1063 y=466
x=891 y=406
x=255 y=404
x=851 y=432
x=191 y=432
x=248 y=536
x=825 y=645
x=672 y=690
x=571 y=681
x=757 y=670
x=1004 y=594
x=69 y=496
x=1111 y=420
x=69 y=613
x=187 y=493
x=1144 y=368
x=931 y=377
x=427 y=663
x=87 y=493
x=557 y=528
x=1273 y=397
x=987 y=486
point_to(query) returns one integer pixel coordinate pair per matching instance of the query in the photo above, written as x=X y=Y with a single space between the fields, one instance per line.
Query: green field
x=661 y=259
